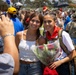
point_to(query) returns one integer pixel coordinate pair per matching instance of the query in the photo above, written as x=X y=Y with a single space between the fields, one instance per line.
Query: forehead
x=48 y=17
x=36 y=17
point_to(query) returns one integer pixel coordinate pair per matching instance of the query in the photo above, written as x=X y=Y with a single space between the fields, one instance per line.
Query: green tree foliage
x=37 y=3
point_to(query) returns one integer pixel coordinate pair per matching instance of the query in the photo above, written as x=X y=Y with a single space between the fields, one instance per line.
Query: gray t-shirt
x=6 y=64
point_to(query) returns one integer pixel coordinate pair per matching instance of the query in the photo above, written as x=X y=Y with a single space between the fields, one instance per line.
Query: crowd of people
x=20 y=30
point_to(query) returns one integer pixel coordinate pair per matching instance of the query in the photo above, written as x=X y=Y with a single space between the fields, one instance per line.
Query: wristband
x=8 y=35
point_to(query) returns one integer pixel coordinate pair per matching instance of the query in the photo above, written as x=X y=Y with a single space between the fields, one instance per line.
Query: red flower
x=27 y=20
x=50 y=46
x=41 y=47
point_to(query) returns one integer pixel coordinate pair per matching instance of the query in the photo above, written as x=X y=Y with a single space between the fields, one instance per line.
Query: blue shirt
x=67 y=20
x=18 y=26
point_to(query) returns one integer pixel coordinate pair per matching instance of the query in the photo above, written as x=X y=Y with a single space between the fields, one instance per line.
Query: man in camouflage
x=71 y=28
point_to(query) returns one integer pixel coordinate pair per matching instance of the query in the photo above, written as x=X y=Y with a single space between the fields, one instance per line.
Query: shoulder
x=16 y=20
x=64 y=33
x=19 y=34
x=65 y=36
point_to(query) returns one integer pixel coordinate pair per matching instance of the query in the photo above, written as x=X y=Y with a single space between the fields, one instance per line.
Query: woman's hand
x=55 y=64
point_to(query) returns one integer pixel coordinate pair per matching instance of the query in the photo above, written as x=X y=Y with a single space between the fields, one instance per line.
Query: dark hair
x=42 y=37
x=25 y=23
x=41 y=21
x=39 y=15
x=53 y=15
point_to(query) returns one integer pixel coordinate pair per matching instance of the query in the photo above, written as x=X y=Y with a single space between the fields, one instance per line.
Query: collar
x=54 y=34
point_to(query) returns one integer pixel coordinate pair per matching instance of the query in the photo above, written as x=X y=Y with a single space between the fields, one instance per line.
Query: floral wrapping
x=46 y=53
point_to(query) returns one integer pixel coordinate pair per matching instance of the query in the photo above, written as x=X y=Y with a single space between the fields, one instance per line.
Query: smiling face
x=49 y=22
x=34 y=23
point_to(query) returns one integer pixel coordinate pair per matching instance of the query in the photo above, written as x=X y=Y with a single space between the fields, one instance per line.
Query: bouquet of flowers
x=45 y=53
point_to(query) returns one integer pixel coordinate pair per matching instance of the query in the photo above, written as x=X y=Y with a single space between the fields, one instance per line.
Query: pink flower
x=50 y=46
x=41 y=47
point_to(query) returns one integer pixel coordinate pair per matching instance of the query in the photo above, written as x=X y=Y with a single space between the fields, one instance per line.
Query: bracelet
x=8 y=35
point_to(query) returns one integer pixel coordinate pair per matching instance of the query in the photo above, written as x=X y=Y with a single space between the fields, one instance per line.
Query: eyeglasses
x=35 y=21
x=48 y=21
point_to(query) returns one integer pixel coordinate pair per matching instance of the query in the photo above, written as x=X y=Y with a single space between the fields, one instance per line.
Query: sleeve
x=68 y=26
x=67 y=41
x=6 y=64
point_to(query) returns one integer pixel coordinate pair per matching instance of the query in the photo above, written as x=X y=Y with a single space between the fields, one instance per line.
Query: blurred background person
x=12 y=14
x=71 y=28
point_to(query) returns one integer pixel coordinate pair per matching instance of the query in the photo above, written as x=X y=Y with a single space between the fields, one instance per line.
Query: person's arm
x=68 y=43
x=7 y=32
x=17 y=38
x=10 y=48
x=55 y=64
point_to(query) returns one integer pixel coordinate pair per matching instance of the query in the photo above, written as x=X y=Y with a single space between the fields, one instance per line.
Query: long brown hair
x=41 y=21
x=25 y=22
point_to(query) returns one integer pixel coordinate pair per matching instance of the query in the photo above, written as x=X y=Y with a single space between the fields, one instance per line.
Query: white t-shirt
x=67 y=41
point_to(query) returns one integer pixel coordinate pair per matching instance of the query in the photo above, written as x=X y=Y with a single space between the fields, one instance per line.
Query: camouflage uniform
x=71 y=28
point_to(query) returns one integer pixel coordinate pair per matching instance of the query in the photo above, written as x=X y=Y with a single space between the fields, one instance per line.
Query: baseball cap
x=12 y=10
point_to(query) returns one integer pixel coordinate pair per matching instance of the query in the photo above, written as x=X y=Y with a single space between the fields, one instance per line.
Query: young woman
x=61 y=61
x=30 y=65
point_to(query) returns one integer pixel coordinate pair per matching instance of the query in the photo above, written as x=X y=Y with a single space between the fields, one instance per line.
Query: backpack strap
x=61 y=42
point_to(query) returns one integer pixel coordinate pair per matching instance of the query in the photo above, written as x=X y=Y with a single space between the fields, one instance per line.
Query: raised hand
x=6 y=26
